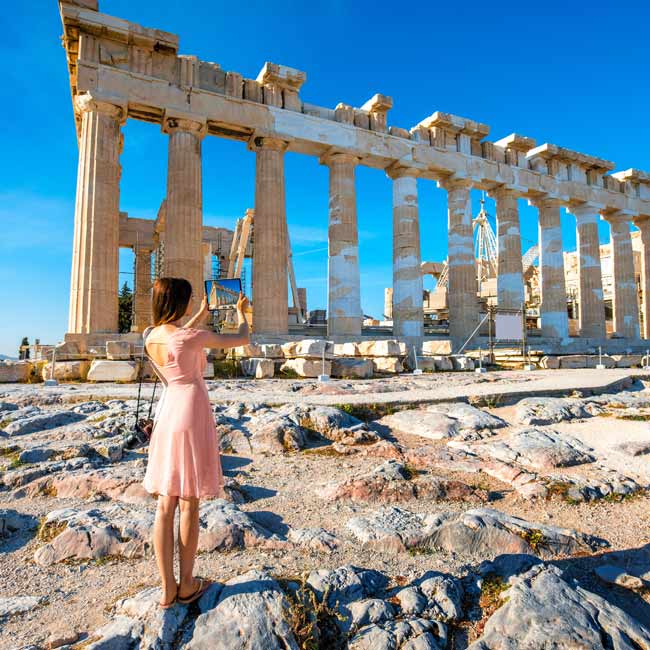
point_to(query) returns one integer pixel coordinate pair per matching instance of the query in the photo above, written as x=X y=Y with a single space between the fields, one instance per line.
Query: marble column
x=270 y=295
x=643 y=224
x=408 y=313
x=592 y=307
x=207 y=260
x=344 y=315
x=184 y=209
x=553 y=309
x=462 y=286
x=142 y=294
x=625 y=305
x=95 y=252
x=510 y=277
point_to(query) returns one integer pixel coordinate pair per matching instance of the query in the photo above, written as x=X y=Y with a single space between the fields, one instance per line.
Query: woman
x=184 y=463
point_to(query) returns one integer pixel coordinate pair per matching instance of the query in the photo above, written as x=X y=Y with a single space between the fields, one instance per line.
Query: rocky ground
x=499 y=522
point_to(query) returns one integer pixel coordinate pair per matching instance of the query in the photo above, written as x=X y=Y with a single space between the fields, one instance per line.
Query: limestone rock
x=18 y=605
x=412 y=634
x=443 y=362
x=391 y=483
x=306 y=367
x=258 y=368
x=92 y=534
x=475 y=532
x=387 y=365
x=627 y=360
x=462 y=363
x=537 y=449
x=347 y=349
x=307 y=349
x=346 y=584
x=12 y=522
x=542 y=605
x=250 y=613
x=104 y=370
x=41 y=421
x=14 y=371
x=274 y=432
x=357 y=368
x=585 y=361
x=547 y=410
x=316 y=539
x=66 y=370
x=617 y=575
x=549 y=362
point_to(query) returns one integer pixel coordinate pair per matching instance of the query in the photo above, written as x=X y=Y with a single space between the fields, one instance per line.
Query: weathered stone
x=18 y=605
x=42 y=422
x=347 y=368
x=381 y=348
x=66 y=370
x=627 y=360
x=585 y=361
x=307 y=349
x=118 y=350
x=258 y=368
x=543 y=605
x=346 y=584
x=12 y=522
x=347 y=349
x=14 y=371
x=619 y=576
x=250 y=613
x=316 y=539
x=548 y=362
x=103 y=370
x=462 y=363
x=433 y=348
x=475 y=532
x=306 y=367
x=443 y=362
x=387 y=365
x=547 y=410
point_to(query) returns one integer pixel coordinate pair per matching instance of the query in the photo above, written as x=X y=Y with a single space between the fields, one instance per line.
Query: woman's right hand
x=242 y=303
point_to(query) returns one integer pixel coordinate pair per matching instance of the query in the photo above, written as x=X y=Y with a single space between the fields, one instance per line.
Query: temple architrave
x=120 y=70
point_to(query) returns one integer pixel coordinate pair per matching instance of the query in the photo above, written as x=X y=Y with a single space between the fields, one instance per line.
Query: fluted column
x=510 y=277
x=408 y=313
x=643 y=223
x=553 y=308
x=207 y=260
x=270 y=299
x=184 y=209
x=344 y=315
x=142 y=294
x=95 y=252
x=625 y=305
x=461 y=286
x=592 y=307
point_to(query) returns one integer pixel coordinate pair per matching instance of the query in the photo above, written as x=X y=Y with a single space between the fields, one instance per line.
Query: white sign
x=509 y=326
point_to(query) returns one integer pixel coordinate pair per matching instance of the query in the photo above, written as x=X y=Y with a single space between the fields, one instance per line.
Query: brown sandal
x=204 y=585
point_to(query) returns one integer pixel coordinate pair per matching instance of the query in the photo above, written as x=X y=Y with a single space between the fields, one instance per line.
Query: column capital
x=546 y=201
x=505 y=189
x=585 y=212
x=617 y=217
x=259 y=142
x=400 y=170
x=111 y=105
x=642 y=222
x=455 y=183
x=335 y=157
x=178 y=121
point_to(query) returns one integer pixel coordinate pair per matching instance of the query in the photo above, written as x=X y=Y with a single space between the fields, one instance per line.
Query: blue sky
x=546 y=70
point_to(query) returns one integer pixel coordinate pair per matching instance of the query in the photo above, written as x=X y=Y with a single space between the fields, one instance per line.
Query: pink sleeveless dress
x=184 y=448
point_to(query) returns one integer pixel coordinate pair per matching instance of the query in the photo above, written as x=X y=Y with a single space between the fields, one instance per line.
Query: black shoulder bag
x=140 y=435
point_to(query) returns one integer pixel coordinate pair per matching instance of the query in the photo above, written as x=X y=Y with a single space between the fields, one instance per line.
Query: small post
x=52 y=381
x=645 y=361
x=490 y=333
x=416 y=371
x=323 y=377
x=527 y=364
x=480 y=370
x=600 y=365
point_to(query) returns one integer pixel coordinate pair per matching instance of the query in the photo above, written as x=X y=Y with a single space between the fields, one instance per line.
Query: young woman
x=184 y=463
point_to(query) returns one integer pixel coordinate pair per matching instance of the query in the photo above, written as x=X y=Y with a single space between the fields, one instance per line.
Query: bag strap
x=140 y=378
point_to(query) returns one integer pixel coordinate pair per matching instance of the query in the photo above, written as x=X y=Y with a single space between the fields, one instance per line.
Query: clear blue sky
x=562 y=72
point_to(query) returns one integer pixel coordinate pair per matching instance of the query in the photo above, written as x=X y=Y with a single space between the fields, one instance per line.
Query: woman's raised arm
x=221 y=341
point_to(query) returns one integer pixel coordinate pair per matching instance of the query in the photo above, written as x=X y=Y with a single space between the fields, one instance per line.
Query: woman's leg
x=188 y=540
x=163 y=543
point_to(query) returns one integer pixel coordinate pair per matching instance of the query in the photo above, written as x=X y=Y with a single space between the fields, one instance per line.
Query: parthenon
x=120 y=70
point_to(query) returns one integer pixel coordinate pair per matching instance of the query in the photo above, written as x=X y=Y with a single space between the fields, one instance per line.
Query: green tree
x=23 y=353
x=125 y=308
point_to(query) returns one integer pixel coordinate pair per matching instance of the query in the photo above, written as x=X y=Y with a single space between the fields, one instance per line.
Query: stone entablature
x=111 y=58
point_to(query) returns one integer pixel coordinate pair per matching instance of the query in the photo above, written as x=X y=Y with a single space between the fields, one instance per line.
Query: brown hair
x=170 y=299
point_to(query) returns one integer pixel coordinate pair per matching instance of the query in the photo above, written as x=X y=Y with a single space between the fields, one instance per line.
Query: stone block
x=443 y=362
x=349 y=349
x=427 y=364
x=14 y=371
x=387 y=365
x=208 y=372
x=307 y=367
x=627 y=360
x=68 y=349
x=258 y=368
x=105 y=370
x=272 y=351
x=462 y=363
x=66 y=370
x=248 y=351
x=307 y=348
x=382 y=348
x=118 y=350
x=436 y=347
x=550 y=362
x=585 y=361
x=350 y=367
